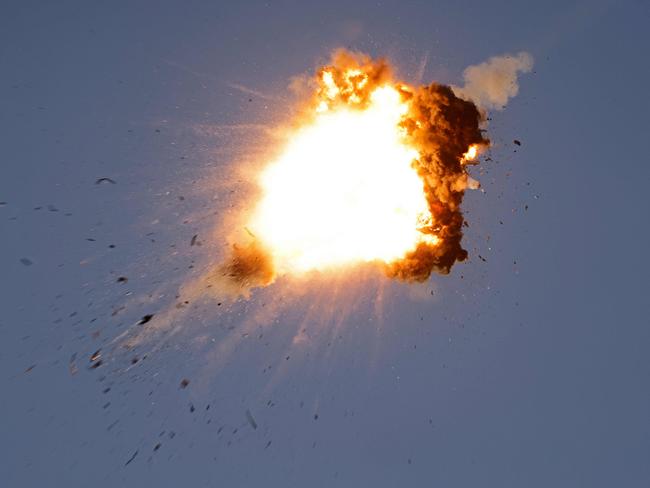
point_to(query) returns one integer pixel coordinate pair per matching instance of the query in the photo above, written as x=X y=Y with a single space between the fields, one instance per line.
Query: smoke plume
x=492 y=83
x=442 y=127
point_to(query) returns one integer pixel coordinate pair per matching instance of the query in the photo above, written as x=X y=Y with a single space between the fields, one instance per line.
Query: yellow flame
x=330 y=85
x=344 y=190
x=471 y=153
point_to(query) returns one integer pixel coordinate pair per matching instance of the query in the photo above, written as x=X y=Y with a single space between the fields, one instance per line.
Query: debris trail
x=251 y=420
x=131 y=458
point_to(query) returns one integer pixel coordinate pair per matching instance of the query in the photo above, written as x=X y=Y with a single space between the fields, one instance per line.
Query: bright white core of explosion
x=344 y=191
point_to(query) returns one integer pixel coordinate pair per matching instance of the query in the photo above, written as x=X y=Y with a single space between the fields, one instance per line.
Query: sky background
x=528 y=369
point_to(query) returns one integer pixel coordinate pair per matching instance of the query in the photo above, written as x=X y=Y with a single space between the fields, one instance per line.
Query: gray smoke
x=492 y=83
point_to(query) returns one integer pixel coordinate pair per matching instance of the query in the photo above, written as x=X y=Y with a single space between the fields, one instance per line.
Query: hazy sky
x=528 y=369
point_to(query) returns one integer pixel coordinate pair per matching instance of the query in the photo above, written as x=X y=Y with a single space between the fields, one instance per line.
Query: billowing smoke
x=440 y=126
x=492 y=83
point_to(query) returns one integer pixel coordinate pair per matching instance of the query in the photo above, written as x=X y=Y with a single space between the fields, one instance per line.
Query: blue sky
x=529 y=369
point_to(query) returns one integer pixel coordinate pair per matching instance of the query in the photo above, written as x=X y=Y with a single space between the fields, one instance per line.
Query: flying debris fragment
x=95 y=359
x=99 y=181
x=131 y=458
x=251 y=420
x=72 y=366
x=145 y=319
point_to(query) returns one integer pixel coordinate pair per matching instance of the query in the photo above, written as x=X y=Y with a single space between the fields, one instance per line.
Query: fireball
x=375 y=172
x=344 y=191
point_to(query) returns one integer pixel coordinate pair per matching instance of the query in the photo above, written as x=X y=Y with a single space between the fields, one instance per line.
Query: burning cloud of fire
x=376 y=173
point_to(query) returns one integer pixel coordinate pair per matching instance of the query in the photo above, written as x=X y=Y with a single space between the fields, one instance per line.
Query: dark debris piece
x=192 y=408
x=194 y=238
x=99 y=181
x=122 y=279
x=157 y=446
x=131 y=458
x=26 y=262
x=145 y=319
x=96 y=355
x=184 y=383
x=251 y=419
x=517 y=142
x=117 y=310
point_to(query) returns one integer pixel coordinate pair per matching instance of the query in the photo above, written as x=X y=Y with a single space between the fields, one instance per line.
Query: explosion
x=361 y=198
x=376 y=173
